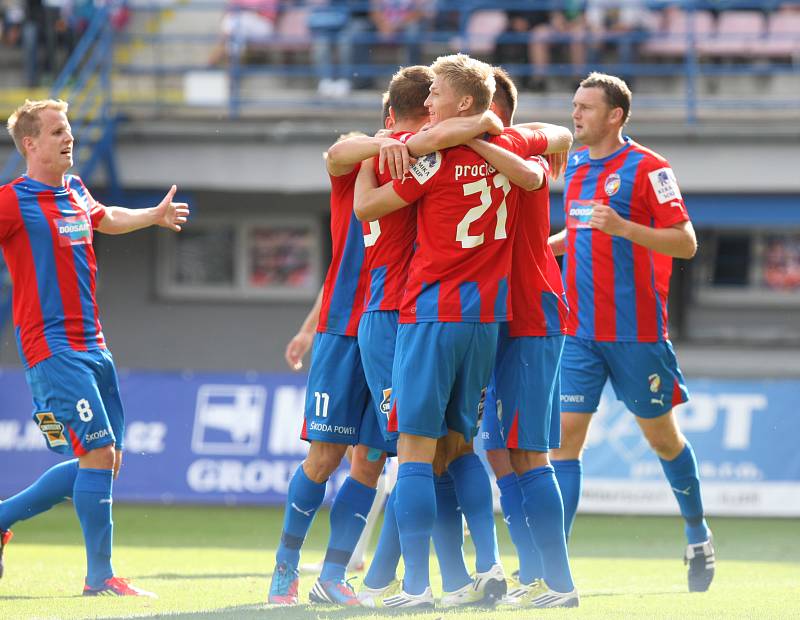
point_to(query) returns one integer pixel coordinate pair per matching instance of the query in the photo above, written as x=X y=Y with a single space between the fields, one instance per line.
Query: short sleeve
x=662 y=194
x=523 y=143
x=419 y=178
x=9 y=214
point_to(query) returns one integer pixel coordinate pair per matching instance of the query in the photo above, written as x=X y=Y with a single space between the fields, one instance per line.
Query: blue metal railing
x=85 y=83
x=690 y=66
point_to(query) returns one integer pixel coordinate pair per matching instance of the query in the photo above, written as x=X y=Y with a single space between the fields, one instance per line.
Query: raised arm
x=452 y=132
x=168 y=214
x=527 y=175
x=371 y=202
x=347 y=153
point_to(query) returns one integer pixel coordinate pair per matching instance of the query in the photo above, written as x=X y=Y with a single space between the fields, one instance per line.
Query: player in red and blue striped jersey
x=338 y=411
x=626 y=219
x=456 y=294
x=47 y=224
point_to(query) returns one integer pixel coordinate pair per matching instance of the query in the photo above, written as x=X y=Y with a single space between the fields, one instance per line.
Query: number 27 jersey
x=460 y=270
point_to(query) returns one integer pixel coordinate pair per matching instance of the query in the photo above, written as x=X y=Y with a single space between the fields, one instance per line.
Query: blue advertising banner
x=234 y=438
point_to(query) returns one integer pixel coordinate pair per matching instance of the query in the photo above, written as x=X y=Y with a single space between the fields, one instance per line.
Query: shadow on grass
x=299 y=612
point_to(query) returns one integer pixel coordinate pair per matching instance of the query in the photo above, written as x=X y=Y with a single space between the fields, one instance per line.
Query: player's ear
x=616 y=116
x=465 y=103
x=390 y=120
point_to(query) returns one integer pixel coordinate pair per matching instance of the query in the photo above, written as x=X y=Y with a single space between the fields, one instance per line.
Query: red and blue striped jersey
x=389 y=246
x=538 y=302
x=345 y=283
x=617 y=290
x=460 y=269
x=46 y=234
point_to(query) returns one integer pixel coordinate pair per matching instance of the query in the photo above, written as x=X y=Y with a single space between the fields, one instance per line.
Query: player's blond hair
x=24 y=122
x=617 y=92
x=468 y=77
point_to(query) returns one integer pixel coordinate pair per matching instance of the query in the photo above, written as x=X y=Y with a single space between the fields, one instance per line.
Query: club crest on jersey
x=655 y=382
x=665 y=185
x=386 y=402
x=52 y=429
x=426 y=167
x=612 y=184
x=481 y=405
x=75 y=230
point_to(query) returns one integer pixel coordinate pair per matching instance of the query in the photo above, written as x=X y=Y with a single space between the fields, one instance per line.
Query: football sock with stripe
x=91 y=496
x=448 y=535
x=545 y=512
x=348 y=518
x=569 y=474
x=474 y=492
x=684 y=479
x=303 y=499
x=416 y=512
x=383 y=568
x=53 y=487
x=530 y=562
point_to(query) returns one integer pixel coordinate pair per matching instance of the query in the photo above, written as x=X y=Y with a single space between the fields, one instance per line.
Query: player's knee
x=499 y=461
x=99 y=458
x=525 y=460
x=666 y=445
x=322 y=460
x=366 y=470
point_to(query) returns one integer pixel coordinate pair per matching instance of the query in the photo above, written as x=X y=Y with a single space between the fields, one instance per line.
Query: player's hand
x=395 y=155
x=491 y=123
x=172 y=215
x=558 y=163
x=297 y=348
x=605 y=219
x=383 y=133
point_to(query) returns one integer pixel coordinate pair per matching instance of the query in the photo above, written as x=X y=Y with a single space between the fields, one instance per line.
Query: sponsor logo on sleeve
x=52 y=429
x=665 y=185
x=75 y=230
x=386 y=402
x=426 y=167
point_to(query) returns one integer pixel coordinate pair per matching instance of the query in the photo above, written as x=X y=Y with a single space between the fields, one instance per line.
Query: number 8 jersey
x=459 y=272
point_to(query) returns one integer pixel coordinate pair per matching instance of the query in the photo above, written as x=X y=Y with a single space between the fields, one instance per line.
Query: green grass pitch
x=215 y=563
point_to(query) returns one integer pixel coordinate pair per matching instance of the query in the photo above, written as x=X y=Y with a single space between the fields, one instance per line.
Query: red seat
x=672 y=40
x=783 y=36
x=736 y=35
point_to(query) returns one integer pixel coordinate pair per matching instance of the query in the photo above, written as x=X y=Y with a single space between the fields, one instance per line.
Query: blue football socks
x=91 y=496
x=569 y=474
x=684 y=479
x=53 y=487
x=448 y=535
x=474 y=492
x=530 y=562
x=348 y=518
x=303 y=499
x=416 y=512
x=542 y=504
x=383 y=568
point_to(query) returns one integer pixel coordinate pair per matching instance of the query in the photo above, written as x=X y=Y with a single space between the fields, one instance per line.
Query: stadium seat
x=672 y=39
x=783 y=36
x=736 y=34
x=481 y=32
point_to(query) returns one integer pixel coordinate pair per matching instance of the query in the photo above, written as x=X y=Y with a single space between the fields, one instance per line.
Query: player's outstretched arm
x=556 y=242
x=299 y=345
x=559 y=139
x=371 y=202
x=527 y=175
x=678 y=241
x=347 y=153
x=454 y=131
x=168 y=214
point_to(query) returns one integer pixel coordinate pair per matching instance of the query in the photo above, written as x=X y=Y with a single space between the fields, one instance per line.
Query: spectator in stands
x=12 y=17
x=548 y=29
x=617 y=26
x=513 y=47
x=245 y=22
x=400 y=22
x=339 y=28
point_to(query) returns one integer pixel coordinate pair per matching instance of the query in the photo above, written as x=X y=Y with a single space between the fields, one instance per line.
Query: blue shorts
x=527 y=382
x=339 y=408
x=491 y=434
x=440 y=375
x=644 y=375
x=76 y=401
x=377 y=334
